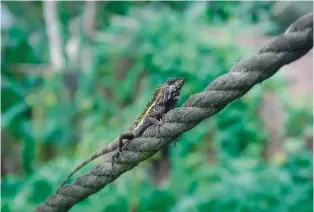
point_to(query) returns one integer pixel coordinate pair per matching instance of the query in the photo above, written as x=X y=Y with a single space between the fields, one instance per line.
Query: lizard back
x=150 y=107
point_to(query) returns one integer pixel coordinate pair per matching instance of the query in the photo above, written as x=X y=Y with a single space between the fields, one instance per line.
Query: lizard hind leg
x=128 y=137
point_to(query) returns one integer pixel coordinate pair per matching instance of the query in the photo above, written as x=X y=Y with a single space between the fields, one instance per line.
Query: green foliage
x=58 y=118
x=234 y=185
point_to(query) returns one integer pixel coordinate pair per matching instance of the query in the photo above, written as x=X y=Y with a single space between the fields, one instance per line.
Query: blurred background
x=75 y=75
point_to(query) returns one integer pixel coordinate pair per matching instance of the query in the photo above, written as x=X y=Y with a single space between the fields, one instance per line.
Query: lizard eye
x=170 y=81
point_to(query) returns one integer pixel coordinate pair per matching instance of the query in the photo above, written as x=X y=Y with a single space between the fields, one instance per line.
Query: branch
x=282 y=50
x=53 y=33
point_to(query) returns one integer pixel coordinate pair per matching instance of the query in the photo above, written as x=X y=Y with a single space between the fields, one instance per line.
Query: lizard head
x=174 y=87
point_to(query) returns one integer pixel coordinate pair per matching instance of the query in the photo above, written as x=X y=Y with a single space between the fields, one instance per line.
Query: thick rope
x=281 y=50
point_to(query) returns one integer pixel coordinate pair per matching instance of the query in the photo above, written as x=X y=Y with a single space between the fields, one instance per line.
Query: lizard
x=164 y=99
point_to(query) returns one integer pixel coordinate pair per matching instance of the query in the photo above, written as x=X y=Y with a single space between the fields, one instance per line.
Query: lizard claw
x=114 y=156
x=159 y=125
x=161 y=122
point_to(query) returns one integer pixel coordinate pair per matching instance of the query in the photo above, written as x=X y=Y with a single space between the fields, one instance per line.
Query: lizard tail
x=93 y=157
x=109 y=148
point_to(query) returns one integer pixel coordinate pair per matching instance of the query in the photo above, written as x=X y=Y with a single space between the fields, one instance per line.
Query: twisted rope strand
x=279 y=51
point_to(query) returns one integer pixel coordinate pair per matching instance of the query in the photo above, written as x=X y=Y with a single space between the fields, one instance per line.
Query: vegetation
x=112 y=56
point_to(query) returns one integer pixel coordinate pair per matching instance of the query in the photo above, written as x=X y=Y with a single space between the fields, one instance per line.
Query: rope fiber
x=279 y=51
